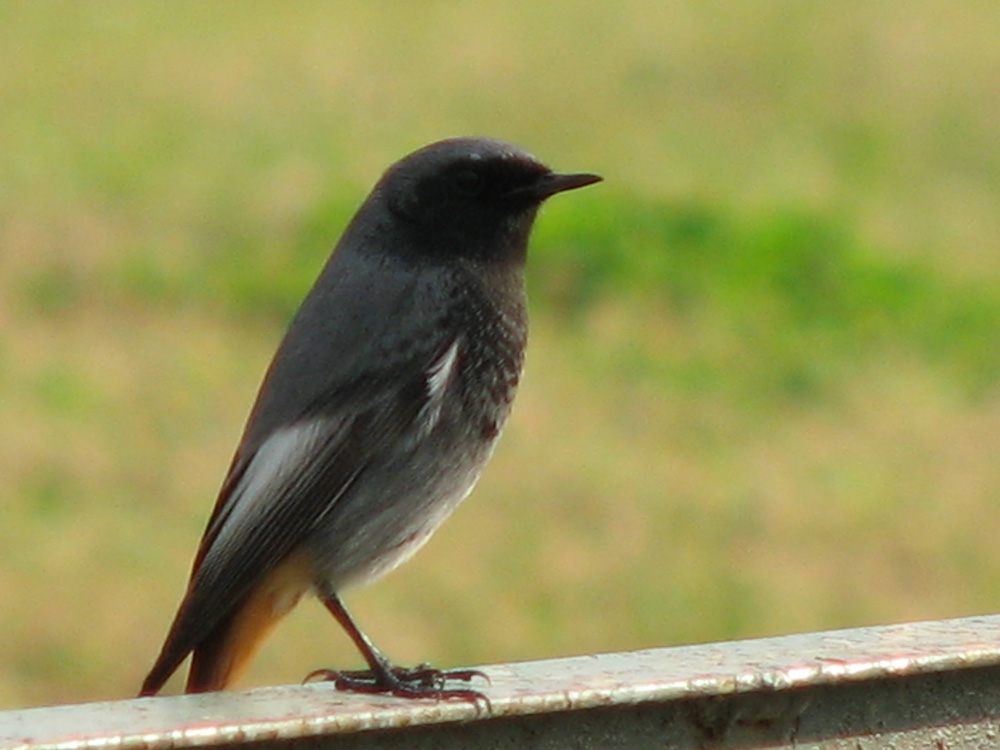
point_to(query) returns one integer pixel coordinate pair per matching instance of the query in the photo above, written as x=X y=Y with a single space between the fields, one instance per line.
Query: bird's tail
x=220 y=660
x=224 y=654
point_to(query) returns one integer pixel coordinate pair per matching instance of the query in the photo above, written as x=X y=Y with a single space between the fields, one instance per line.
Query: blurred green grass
x=761 y=390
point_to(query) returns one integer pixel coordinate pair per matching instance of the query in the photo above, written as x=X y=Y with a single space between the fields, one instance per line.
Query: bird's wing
x=287 y=475
x=338 y=362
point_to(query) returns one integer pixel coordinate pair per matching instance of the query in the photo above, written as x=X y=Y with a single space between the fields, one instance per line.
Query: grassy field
x=761 y=393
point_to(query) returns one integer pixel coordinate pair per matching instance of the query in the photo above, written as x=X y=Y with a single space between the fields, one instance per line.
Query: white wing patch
x=276 y=461
x=439 y=375
x=440 y=372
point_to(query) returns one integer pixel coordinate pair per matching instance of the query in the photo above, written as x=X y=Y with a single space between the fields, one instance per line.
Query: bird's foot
x=422 y=681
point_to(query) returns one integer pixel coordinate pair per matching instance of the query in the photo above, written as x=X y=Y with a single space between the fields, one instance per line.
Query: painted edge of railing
x=520 y=689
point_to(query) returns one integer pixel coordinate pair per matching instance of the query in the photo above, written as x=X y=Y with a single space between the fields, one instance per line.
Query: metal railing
x=927 y=685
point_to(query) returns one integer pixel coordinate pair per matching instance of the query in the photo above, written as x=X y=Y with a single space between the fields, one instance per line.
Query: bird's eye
x=469 y=182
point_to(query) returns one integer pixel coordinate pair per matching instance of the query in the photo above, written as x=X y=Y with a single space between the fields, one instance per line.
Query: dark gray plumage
x=379 y=410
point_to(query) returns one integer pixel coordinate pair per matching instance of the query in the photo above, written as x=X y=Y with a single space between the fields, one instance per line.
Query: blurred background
x=762 y=389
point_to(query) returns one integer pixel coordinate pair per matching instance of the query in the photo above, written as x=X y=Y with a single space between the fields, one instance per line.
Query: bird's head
x=471 y=196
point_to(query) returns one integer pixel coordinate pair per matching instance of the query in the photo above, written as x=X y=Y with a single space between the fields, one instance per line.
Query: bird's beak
x=553 y=183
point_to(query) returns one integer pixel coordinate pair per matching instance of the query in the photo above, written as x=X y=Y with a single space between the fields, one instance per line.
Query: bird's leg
x=422 y=681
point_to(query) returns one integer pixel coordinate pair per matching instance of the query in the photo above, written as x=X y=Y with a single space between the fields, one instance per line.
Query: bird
x=379 y=410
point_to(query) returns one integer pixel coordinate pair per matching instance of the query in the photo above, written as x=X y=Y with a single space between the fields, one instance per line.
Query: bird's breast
x=489 y=362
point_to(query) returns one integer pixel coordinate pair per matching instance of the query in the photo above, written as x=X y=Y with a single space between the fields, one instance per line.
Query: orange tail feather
x=223 y=657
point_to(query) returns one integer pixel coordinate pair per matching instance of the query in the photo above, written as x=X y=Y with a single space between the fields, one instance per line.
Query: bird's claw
x=422 y=681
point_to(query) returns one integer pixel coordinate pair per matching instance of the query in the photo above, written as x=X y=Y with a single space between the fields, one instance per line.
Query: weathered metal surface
x=934 y=684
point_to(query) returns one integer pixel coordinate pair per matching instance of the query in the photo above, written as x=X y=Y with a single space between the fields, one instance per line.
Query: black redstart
x=377 y=414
